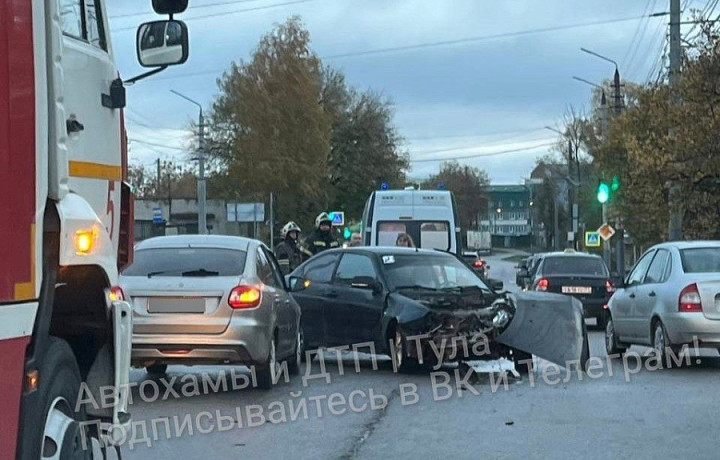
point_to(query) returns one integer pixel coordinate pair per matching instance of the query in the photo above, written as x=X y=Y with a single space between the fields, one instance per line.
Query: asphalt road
x=626 y=411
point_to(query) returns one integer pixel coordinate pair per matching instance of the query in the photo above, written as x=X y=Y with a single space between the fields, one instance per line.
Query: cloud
x=478 y=89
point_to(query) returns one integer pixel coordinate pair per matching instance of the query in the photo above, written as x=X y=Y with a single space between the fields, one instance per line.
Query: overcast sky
x=486 y=96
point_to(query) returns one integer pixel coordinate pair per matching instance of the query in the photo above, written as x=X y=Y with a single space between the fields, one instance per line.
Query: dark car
x=581 y=275
x=479 y=265
x=385 y=295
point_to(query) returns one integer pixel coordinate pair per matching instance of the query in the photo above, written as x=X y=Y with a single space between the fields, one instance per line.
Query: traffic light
x=347 y=233
x=615 y=185
x=603 y=193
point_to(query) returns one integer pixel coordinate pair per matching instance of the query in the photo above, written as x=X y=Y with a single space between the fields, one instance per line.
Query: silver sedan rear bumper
x=245 y=341
x=685 y=327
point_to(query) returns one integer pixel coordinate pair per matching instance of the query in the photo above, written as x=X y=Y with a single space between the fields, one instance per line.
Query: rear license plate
x=176 y=305
x=576 y=290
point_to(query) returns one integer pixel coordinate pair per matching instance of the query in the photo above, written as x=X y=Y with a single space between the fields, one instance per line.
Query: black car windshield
x=700 y=260
x=429 y=271
x=187 y=262
x=574 y=265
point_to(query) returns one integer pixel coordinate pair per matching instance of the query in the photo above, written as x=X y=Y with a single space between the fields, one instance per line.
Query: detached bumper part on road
x=686 y=327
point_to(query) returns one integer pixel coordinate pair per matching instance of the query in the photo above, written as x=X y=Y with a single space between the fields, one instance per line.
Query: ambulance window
x=95 y=32
x=71 y=20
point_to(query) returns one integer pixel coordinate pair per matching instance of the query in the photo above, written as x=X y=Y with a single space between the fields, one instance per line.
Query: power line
x=479 y=155
x=643 y=24
x=154 y=144
x=487 y=37
x=227 y=13
x=442 y=43
x=473 y=146
x=195 y=7
x=470 y=136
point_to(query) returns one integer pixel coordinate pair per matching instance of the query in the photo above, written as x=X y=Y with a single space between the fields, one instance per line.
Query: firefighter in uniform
x=322 y=238
x=288 y=252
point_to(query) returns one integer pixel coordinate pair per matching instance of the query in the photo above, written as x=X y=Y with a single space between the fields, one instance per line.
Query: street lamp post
x=201 y=189
x=571 y=184
x=617 y=103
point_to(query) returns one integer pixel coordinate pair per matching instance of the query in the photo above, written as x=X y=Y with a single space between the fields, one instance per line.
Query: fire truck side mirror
x=169 y=6
x=162 y=43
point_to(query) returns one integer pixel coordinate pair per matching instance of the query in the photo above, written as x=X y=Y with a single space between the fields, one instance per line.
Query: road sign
x=606 y=231
x=592 y=239
x=157 y=216
x=337 y=218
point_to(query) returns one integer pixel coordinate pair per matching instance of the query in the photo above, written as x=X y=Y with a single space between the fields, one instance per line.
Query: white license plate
x=576 y=290
x=176 y=305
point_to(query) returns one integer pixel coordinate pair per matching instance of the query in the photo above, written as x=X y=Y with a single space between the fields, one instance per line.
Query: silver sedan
x=200 y=299
x=670 y=298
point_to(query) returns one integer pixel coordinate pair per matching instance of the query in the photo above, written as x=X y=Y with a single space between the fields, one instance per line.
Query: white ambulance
x=429 y=217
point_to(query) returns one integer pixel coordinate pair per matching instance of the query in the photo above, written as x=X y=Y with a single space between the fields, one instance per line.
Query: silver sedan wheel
x=659 y=339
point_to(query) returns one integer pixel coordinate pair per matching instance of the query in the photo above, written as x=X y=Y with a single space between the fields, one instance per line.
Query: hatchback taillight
x=542 y=285
x=689 y=300
x=245 y=297
x=116 y=293
x=478 y=264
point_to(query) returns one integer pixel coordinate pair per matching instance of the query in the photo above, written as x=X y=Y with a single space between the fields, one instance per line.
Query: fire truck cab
x=66 y=222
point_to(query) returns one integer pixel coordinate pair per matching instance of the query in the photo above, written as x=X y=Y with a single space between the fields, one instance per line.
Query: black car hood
x=550 y=326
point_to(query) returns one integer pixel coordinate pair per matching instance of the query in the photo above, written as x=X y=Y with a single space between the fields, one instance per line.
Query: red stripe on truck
x=17 y=150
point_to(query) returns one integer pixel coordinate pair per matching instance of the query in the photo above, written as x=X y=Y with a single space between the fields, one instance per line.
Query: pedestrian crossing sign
x=337 y=218
x=592 y=239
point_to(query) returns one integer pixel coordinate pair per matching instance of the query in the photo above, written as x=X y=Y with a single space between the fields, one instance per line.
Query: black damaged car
x=420 y=306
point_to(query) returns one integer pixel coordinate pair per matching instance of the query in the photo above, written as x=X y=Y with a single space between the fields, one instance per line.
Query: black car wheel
x=295 y=360
x=403 y=362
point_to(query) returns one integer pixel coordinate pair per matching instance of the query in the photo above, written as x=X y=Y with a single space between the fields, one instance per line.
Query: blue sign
x=592 y=239
x=337 y=218
x=157 y=216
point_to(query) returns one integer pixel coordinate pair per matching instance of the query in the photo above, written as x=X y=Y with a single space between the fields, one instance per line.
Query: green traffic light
x=347 y=233
x=603 y=193
x=615 y=185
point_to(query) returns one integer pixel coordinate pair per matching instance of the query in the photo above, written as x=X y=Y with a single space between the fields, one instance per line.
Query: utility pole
x=201 y=190
x=618 y=102
x=675 y=220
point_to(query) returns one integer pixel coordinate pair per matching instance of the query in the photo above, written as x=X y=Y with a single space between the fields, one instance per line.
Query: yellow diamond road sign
x=606 y=231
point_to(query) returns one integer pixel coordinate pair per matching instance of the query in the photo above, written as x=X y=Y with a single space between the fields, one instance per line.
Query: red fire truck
x=66 y=218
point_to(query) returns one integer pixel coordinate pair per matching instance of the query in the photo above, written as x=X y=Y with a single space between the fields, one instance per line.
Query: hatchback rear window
x=573 y=265
x=700 y=260
x=188 y=261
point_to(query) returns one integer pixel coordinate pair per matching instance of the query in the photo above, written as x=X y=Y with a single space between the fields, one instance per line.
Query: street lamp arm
x=585 y=50
x=187 y=99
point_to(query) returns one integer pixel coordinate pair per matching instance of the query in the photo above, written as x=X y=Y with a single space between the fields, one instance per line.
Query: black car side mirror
x=366 y=282
x=496 y=285
x=297 y=284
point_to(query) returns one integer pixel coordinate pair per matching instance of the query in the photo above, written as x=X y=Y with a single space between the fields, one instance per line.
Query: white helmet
x=289 y=227
x=322 y=217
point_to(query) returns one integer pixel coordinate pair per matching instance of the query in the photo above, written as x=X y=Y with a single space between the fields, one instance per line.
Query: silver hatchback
x=209 y=299
x=670 y=298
